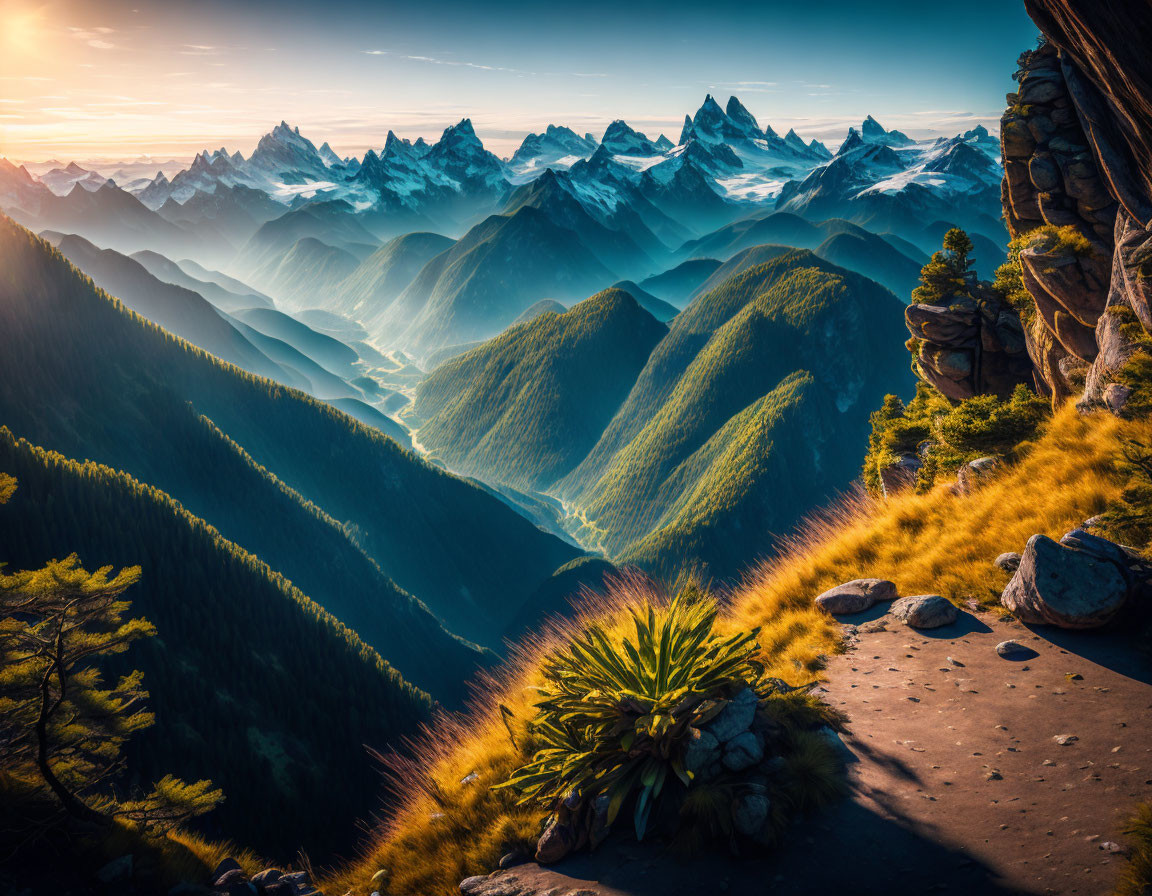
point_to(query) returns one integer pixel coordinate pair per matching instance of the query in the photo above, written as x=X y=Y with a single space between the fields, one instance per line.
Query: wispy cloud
x=459 y=63
x=94 y=37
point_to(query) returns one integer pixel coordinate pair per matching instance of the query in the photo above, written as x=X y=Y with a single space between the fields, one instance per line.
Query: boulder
x=856 y=596
x=1075 y=583
x=925 y=611
x=1009 y=561
x=743 y=751
x=267 y=876
x=736 y=717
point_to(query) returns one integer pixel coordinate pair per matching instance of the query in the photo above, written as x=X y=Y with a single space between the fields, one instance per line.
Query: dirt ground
x=960 y=784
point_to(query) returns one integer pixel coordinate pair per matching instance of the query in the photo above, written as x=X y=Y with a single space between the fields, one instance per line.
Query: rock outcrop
x=1077 y=146
x=970 y=347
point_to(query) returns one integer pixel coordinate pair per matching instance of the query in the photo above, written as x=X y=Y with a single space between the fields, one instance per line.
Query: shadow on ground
x=846 y=849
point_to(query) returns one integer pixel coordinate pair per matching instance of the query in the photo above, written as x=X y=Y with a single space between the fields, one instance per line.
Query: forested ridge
x=84 y=376
x=252 y=683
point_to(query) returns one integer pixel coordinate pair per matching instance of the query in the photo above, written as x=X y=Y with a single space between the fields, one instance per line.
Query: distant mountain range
x=567 y=215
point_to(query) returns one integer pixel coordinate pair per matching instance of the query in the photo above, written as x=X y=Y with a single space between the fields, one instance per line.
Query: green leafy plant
x=616 y=709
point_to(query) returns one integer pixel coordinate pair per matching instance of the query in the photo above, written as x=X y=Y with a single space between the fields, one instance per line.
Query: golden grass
x=441 y=830
x=1136 y=878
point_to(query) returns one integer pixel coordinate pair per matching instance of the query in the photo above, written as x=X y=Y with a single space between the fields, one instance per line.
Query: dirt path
x=960 y=785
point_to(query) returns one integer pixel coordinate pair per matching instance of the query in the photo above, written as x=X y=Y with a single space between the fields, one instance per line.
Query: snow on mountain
x=61 y=180
x=558 y=148
x=621 y=140
x=724 y=163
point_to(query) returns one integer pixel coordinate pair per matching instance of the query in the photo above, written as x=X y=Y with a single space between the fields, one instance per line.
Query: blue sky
x=106 y=77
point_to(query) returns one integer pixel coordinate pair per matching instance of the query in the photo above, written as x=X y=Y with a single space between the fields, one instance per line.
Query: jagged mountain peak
x=872 y=128
x=851 y=142
x=740 y=115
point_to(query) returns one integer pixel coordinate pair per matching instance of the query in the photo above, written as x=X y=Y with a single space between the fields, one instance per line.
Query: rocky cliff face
x=1077 y=145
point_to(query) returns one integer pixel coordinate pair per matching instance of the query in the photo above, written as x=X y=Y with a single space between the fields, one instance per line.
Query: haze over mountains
x=419 y=399
x=305 y=227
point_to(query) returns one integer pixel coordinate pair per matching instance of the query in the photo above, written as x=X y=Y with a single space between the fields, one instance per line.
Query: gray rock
x=228 y=864
x=1009 y=561
x=925 y=611
x=701 y=751
x=1014 y=650
x=900 y=475
x=231 y=878
x=1065 y=740
x=117 y=871
x=736 y=717
x=1069 y=585
x=972 y=474
x=856 y=596
x=743 y=752
x=750 y=814
x=267 y=876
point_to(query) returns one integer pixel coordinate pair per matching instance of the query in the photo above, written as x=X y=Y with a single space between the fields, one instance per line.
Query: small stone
x=1014 y=650
x=1065 y=739
x=226 y=865
x=993 y=775
x=1008 y=561
x=469 y=778
x=267 y=876
x=231 y=878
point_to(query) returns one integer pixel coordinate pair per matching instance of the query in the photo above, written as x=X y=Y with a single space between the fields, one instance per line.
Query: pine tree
x=959 y=247
x=59 y=722
x=944 y=279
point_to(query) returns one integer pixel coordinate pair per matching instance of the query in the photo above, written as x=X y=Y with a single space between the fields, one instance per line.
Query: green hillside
x=525 y=407
x=487 y=279
x=778 y=362
x=245 y=667
x=678 y=285
x=368 y=291
x=84 y=376
x=305 y=274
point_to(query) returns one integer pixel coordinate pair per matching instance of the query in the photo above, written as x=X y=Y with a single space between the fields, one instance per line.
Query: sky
x=116 y=79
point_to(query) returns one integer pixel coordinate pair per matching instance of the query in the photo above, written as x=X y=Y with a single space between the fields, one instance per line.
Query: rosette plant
x=615 y=709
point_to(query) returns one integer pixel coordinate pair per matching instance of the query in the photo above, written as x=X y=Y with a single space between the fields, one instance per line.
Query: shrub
x=615 y=714
x=947 y=437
